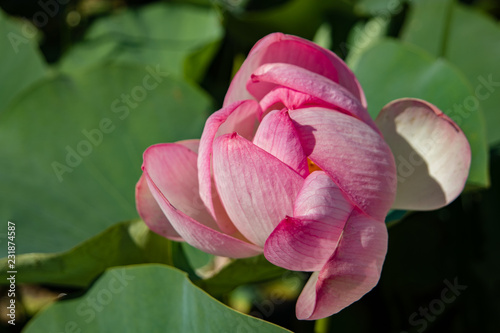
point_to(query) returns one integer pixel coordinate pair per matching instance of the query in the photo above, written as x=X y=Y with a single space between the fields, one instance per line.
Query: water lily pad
x=145 y=298
x=21 y=63
x=470 y=40
x=72 y=149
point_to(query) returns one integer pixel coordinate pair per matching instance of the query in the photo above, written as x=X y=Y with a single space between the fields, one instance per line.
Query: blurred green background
x=86 y=86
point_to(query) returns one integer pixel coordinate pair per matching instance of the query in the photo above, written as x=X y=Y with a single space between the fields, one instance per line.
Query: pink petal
x=352 y=154
x=351 y=272
x=280 y=48
x=306 y=241
x=170 y=171
x=148 y=208
x=256 y=188
x=151 y=213
x=191 y=144
x=345 y=77
x=320 y=198
x=240 y=117
x=310 y=83
x=173 y=168
x=432 y=153
x=223 y=221
x=277 y=135
x=281 y=97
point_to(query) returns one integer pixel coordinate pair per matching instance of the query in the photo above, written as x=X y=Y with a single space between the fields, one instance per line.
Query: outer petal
x=256 y=188
x=277 y=135
x=432 y=153
x=151 y=213
x=191 y=144
x=281 y=97
x=238 y=117
x=352 y=154
x=289 y=49
x=148 y=208
x=352 y=271
x=172 y=166
x=306 y=242
x=310 y=83
x=170 y=171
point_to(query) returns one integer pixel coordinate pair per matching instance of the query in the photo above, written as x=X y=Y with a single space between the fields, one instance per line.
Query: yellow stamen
x=312 y=166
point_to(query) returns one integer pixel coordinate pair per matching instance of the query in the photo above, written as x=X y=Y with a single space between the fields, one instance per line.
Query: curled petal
x=306 y=241
x=354 y=156
x=240 y=117
x=277 y=135
x=281 y=97
x=256 y=188
x=352 y=271
x=432 y=153
x=172 y=166
x=148 y=208
x=191 y=144
x=280 y=48
x=171 y=175
x=302 y=80
x=151 y=213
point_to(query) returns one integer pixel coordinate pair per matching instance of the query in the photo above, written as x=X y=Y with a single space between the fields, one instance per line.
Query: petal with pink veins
x=241 y=117
x=351 y=272
x=306 y=241
x=256 y=188
x=432 y=153
x=289 y=49
x=170 y=171
x=151 y=213
x=356 y=158
x=172 y=166
x=320 y=198
x=192 y=144
x=281 y=97
x=302 y=80
x=277 y=135
x=148 y=208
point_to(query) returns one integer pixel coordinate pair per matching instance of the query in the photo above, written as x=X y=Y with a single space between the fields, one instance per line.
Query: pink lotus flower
x=293 y=166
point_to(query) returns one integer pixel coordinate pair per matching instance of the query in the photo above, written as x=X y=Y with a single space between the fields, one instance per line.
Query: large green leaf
x=363 y=36
x=391 y=70
x=424 y=17
x=122 y=244
x=379 y=7
x=146 y=298
x=180 y=38
x=72 y=149
x=21 y=63
x=239 y=272
x=470 y=40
